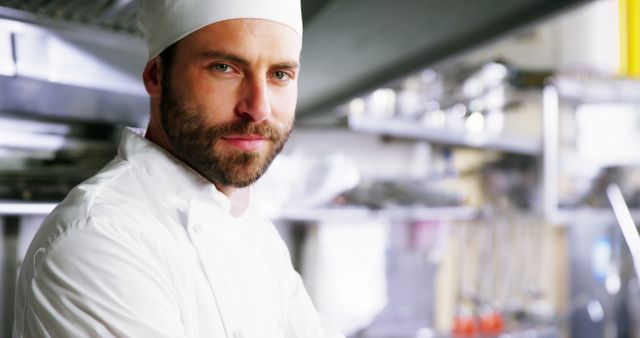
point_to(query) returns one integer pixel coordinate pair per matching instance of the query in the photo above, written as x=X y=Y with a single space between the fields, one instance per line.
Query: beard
x=194 y=142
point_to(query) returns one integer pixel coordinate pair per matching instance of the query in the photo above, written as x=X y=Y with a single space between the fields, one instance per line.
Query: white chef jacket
x=148 y=248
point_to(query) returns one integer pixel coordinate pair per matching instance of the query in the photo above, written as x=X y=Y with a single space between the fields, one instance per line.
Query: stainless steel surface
x=551 y=152
x=46 y=99
x=41 y=159
x=112 y=35
x=462 y=104
x=460 y=213
x=563 y=97
x=598 y=88
x=25 y=208
x=411 y=129
x=626 y=223
x=117 y=15
x=9 y=275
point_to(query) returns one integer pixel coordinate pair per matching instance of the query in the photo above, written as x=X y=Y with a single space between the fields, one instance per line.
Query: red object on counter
x=465 y=327
x=491 y=324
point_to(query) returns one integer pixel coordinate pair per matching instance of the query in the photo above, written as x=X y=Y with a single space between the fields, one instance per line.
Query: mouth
x=246 y=142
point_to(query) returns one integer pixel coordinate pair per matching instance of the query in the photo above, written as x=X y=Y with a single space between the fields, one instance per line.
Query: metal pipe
x=10 y=269
x=626 y=223
x=551 y=116
x=25 y=208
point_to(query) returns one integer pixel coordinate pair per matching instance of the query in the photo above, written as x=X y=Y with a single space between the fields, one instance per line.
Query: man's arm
x=99 y=280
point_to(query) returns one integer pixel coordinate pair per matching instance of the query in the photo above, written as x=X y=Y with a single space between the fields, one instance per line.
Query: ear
x=152 y=77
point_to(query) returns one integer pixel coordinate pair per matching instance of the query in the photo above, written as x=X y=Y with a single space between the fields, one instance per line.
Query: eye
x=221 y=67
x=280 y=75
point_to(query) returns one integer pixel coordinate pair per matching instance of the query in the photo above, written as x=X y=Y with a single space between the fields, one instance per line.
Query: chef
x=162 y=242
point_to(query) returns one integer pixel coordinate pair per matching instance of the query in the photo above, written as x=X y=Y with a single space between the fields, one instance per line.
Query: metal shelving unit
x=573 y=91
x=25 y=208
x=414 y=130
x=356 y=213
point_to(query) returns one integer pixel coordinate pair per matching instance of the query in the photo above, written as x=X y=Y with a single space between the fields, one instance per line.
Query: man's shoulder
x=97 y=218
x=112 y=196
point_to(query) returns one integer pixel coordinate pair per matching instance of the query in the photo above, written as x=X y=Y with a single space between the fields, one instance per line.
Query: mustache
x=244 y=127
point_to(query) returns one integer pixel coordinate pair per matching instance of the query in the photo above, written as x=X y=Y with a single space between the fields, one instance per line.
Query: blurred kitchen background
x=452 y=173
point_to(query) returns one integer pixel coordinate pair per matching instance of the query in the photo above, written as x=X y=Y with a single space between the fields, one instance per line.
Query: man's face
x=227 y=106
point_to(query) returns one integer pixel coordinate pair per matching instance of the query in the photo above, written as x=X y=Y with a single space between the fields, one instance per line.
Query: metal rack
x=410 y=129
x=574 y=90
x=461 y=213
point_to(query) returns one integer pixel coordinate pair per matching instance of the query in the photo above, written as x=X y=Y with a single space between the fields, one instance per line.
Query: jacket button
x=197 y=228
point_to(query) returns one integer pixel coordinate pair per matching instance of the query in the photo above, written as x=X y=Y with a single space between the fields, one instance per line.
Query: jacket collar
x=178 y=181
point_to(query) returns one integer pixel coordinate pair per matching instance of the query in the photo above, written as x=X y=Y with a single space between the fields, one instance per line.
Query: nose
x=254 y=100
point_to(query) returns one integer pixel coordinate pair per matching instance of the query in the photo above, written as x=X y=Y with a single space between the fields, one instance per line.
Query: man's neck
x=239 y=198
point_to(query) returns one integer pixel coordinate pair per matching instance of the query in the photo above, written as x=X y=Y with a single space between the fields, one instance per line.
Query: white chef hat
x=164 y=22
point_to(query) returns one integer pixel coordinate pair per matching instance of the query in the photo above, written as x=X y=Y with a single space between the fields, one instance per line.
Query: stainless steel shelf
x=603 y=216
x=354 y=213
x=414 y=130
x=25 y=208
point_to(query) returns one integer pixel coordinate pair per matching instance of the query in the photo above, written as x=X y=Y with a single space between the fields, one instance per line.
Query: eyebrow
x=213 y=54
x=287 y=65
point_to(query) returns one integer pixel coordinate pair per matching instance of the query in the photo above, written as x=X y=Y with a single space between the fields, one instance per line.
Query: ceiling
x=354 y=46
